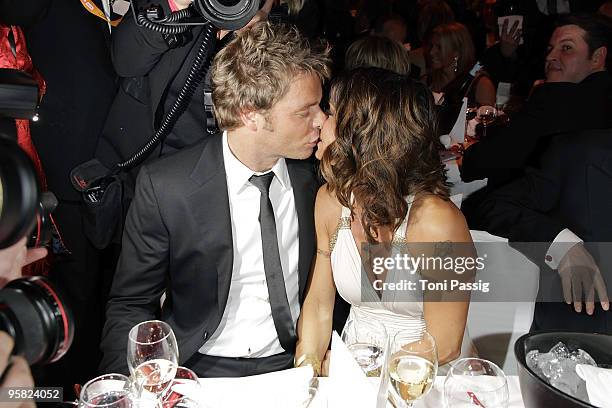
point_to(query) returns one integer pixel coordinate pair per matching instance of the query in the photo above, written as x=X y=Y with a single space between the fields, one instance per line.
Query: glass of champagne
x=106 y=391
x=184 y=387
x=367 y=341
x=152 y=358
x=475 y=382
x=412 y=366
x=486 y=115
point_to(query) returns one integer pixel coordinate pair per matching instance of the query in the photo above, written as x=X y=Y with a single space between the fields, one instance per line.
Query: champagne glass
x=412 y=366
x=184 y=390
x=475 y=382
x=152 y=357
x=367 y=341
x=486 y=115
x=106 y=391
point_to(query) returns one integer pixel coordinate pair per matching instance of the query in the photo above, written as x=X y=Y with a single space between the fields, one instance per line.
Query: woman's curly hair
x=386 y=147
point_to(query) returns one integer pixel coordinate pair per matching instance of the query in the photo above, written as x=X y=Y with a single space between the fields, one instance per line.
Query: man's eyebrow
x=306 y=106
x=562 y=41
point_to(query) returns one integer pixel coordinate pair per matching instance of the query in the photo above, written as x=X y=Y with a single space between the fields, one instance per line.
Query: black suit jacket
x=147 y=66
x=552 y=108
x=571 y=189
x=178 y=239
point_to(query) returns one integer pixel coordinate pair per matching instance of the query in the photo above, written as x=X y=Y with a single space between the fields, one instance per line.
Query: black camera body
x=31 y=310
x=24 y=211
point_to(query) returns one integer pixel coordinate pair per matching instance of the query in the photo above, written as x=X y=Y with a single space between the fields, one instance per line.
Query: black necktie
x=552 y=7
x=281 y=314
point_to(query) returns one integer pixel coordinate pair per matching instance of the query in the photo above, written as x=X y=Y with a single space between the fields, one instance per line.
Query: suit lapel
x=304 y=192
x=210 y=208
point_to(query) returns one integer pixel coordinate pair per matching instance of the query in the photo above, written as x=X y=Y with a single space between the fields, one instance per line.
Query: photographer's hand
x=15 y=371
x=15 y=257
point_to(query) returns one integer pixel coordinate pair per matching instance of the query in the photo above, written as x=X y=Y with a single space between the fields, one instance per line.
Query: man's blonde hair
x=255 y=69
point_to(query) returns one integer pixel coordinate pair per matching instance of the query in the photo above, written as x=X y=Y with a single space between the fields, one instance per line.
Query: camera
x=31 y=310
x=24 y=211
x=34 y=315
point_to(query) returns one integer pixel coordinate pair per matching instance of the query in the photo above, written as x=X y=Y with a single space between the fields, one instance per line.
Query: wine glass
x=486 y=115
x=475 y=382
x=152 y=357
x=185 y=389
x=106 y=391
x=367 y=341
x=412 y=366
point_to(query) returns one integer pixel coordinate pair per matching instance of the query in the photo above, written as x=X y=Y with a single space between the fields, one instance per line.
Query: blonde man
x=225 y=228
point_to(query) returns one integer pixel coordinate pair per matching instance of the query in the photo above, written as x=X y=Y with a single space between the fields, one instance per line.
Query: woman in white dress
x=379 y=154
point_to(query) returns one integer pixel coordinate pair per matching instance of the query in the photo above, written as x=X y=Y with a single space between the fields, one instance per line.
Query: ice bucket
x=537 y=392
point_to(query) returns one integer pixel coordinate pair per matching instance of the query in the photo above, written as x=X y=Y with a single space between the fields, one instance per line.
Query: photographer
x=152 y=70
x=14 y=370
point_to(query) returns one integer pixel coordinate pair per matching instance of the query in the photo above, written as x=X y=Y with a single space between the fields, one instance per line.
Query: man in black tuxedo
x=565 y=201
x=225 y=228
x=575 y=96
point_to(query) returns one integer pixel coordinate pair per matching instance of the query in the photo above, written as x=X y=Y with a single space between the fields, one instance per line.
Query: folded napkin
x=457 y=133
x=598 y=383
x=280 y=389
x=349 y=385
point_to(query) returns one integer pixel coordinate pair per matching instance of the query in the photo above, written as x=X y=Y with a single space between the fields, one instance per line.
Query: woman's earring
x=456 y=64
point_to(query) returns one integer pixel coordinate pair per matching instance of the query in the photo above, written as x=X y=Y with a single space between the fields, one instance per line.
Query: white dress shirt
x=247 y=328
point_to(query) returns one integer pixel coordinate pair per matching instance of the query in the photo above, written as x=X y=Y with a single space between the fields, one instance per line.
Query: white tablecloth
x=224 y=389
x=459 y=186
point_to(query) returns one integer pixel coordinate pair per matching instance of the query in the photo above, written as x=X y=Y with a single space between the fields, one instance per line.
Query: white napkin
x=349 y=385
x=457 y=133
x=598 y=383
x=503 y=93
x=280 y=389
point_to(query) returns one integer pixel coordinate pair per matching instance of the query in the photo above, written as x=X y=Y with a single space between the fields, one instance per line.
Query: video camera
x=31 y=310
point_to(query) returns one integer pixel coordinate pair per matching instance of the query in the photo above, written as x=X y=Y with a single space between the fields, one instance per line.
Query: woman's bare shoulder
x=433 y=218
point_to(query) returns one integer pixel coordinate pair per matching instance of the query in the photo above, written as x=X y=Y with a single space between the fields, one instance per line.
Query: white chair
x=495 y=326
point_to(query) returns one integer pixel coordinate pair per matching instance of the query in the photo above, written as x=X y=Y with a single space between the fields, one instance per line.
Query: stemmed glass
x=412 y=366
x=152 y=357
x=486 y=115
x=106 y=391
x=367 y=341
x=475 y=382
x=184 y=390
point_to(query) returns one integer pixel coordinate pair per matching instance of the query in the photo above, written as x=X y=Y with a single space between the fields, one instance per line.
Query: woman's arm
x=441 y=226
x=315 y=322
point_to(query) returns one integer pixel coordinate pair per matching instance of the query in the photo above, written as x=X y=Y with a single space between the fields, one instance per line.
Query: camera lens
x=19 y=193
x=229 y=3
x=34 y=314
x=227 y=14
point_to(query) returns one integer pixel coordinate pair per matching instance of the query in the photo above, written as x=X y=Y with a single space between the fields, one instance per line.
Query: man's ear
x=598 y=59
x=249 y=120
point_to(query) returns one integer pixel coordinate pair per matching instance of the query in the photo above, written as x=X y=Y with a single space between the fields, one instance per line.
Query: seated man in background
x=225 y=228
x=575 y=96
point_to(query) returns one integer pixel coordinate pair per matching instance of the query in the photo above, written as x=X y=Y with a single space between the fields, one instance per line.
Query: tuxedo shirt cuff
x=562 y=243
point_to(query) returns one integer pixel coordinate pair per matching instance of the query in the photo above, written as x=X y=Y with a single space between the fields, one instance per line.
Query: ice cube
x=582 y=357
x=532 y=360
x=560 y=350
